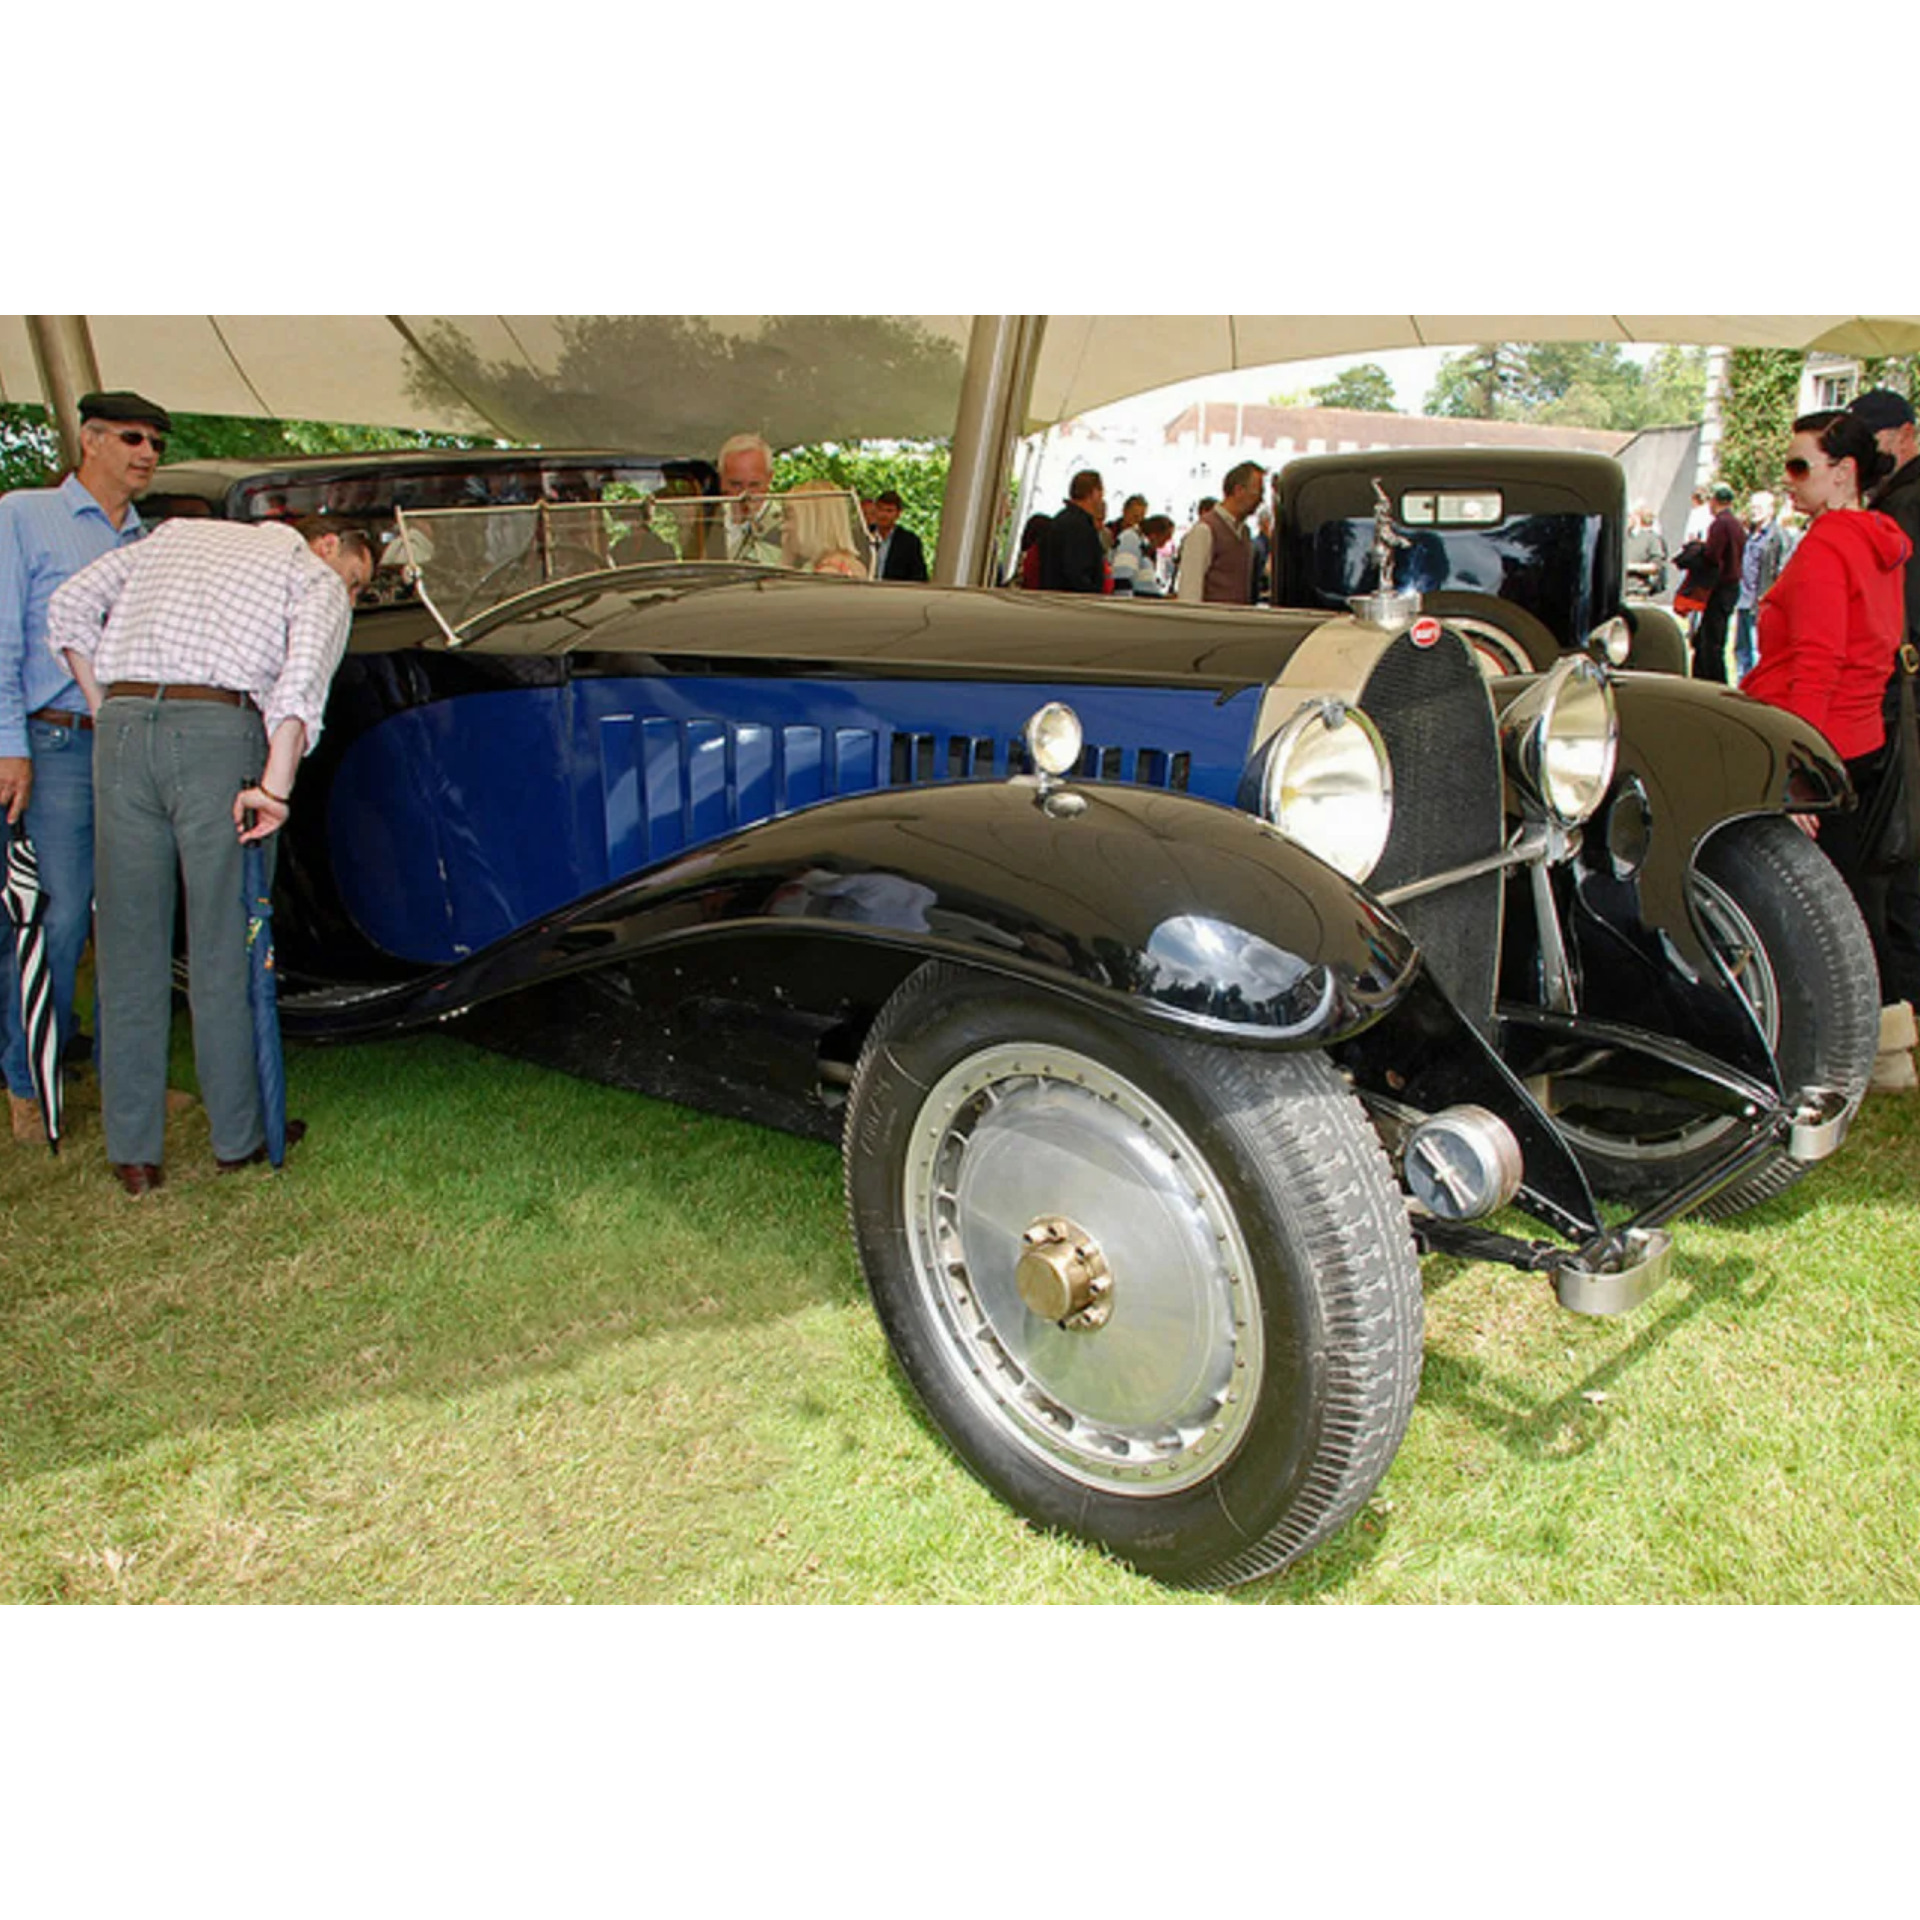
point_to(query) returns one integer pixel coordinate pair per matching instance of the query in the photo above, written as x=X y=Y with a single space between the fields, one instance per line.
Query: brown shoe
x=139 y=1179
x=296 y=1132
x=29 y=1123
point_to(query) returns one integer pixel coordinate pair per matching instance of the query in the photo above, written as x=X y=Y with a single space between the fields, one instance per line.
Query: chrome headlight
x=1054 y=739
x=1562 y=737
x=1329 y=786
x=1612 y=640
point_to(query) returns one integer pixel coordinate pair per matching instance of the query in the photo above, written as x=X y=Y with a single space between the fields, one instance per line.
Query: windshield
x=468 y=560
x=1544 y=562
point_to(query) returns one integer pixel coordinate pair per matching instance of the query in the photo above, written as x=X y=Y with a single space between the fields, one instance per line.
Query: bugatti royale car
x=1172 y=977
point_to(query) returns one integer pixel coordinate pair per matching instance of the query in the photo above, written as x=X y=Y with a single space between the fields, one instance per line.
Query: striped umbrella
x=26 y=908
x=268 y=1063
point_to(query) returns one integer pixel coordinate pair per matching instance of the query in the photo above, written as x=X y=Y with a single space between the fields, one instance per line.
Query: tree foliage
x=30 y=448
x=1367 y=388
x=1899 y=371
x=1756 y=416
x=1574 y=383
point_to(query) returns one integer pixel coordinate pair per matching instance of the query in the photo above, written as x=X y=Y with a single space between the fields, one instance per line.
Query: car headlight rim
x=1328 y=786
x=1567 y=729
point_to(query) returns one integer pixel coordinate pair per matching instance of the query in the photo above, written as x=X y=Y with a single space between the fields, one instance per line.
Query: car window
x=1543 y=562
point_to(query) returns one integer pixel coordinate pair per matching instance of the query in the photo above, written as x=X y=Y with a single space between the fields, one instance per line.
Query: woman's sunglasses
x=1797 y=469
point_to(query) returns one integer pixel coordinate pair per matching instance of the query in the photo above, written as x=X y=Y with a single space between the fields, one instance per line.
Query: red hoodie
x=1831 y=625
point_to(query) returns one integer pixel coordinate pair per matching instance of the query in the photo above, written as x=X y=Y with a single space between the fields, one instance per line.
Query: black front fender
x=1155 y=906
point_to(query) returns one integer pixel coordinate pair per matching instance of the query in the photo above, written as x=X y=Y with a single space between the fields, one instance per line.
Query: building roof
x=1291 y=430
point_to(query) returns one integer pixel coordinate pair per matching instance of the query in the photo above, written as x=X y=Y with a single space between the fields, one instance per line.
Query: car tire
x=1774 y=907
x=1659 y=640
x=1504 y=638
x=1260 y=1351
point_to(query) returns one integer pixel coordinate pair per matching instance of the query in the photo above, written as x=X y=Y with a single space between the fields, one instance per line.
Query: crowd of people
x=1222 y=558
x=159 y=690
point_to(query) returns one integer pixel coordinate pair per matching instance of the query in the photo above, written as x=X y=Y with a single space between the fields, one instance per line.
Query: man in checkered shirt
x=205 y=652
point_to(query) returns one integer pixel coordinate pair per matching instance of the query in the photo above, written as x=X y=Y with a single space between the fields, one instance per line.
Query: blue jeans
x=1745 y=649
x=60 y=820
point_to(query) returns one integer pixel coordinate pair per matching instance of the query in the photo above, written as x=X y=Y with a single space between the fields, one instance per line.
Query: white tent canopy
x=679 y=383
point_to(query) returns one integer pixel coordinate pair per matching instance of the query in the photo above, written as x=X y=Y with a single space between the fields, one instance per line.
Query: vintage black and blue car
x=1521 y=551
x=1171 y=976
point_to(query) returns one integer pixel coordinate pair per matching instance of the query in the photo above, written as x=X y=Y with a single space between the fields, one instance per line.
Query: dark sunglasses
x=1798 y=469
x=133 y=437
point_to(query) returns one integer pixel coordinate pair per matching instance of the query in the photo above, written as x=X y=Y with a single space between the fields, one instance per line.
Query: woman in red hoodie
x=1829 y=629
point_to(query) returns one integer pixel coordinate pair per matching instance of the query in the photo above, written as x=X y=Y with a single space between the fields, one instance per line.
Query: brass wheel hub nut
x=1063 y=1276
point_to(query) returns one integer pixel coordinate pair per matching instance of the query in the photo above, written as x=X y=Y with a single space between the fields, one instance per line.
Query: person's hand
x=1808 y=823
x=16 y=785
x=258 y=814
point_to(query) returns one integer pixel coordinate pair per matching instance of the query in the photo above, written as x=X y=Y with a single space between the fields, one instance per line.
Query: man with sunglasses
x=46 y=733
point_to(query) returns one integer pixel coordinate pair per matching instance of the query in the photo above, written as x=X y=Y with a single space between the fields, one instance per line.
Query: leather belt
x=60 y=717
x=152 y=690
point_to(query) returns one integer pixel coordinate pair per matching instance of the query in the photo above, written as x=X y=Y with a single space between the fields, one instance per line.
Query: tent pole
x=63 y=354
x=994 y=391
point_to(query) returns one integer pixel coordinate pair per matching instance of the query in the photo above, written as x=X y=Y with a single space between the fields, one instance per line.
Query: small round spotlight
x=1054 y=739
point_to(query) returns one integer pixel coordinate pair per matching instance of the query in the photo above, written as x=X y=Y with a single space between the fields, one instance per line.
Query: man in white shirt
x=1216 y=557
x=752 y=520
x=205 y=652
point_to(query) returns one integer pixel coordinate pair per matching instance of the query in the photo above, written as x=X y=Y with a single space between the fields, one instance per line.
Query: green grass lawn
x=497 y=1334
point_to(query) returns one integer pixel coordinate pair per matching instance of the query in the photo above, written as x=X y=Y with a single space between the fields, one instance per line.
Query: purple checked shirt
x=213 y=603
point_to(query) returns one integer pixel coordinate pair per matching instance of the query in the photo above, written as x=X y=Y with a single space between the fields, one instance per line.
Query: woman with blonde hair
x=818 y=521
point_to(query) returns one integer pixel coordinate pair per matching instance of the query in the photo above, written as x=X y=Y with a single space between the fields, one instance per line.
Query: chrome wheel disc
x=1021 y=1147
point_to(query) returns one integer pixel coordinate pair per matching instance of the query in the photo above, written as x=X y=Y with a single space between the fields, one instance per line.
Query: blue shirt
x=46 y=536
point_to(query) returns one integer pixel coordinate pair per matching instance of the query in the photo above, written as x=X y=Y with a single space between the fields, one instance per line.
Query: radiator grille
x=1436 y=718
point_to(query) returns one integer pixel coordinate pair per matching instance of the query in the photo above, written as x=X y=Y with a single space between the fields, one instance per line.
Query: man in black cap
x=46 y=733
x=1889 y=417
x=1725 y=544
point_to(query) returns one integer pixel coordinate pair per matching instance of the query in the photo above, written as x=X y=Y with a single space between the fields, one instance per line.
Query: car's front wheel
x=1779 y=916
x=1156 y=1293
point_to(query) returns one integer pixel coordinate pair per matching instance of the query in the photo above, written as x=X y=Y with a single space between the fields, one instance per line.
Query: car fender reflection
x=1222 y=973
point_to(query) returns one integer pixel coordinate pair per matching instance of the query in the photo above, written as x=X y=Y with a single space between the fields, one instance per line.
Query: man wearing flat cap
x=46 y=733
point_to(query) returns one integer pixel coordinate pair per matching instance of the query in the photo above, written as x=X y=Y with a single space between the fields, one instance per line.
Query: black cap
x=1882 y=408
x=120 y=405
x=1723 y=492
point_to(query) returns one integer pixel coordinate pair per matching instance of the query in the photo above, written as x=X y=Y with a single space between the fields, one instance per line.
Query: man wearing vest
x=1216 y=557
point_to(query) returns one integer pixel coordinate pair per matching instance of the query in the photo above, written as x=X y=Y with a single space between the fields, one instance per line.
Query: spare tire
x=1504 y=638
x=1659 y=640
